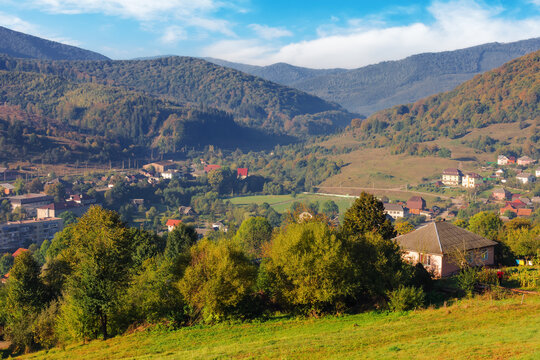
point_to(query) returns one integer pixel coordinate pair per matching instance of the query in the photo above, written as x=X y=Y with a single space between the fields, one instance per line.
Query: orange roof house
x=242 y=173
x=172 y=223
x=209 y=168
x=19 y=252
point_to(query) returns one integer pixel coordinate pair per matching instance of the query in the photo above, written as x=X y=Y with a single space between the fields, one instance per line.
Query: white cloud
x=455 y=24
x=173 y=34
x=269 y=33
x=15 y=23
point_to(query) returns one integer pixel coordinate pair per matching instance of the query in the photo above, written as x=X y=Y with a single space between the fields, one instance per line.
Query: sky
x=309 y=33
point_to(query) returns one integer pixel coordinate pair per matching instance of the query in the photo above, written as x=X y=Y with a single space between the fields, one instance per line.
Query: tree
x=180 y=240
x=57 y=191
x=6 y=262
x=145 y=245
x=219 y=279
x=69 y=217
x=101 y=255
x=404 y=227
x=366 y=215
x=18 y=186
x=252 y=234
x=523 y=241
x=34 y=186
x=330 y=208
x=486 y=224
x=308 y=266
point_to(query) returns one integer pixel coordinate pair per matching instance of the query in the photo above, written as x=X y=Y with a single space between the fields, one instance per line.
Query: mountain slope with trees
x=20 y=45
x=376 y=87
x=253 y=102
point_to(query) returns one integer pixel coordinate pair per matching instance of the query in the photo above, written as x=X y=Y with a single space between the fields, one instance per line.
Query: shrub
x=466 y=280
x=487 y=276
x=406 y=298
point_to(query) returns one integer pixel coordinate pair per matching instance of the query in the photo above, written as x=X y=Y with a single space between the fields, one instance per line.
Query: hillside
x=252 y=101
x=19 y=45
x=472 y=329
x=53 y=119
x=376 y=87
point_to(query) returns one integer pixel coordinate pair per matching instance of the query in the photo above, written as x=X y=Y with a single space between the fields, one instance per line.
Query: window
x=485 y=255
x=425 y=259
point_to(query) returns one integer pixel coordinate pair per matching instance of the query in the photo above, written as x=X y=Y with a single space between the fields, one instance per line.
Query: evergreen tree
x=366 y=215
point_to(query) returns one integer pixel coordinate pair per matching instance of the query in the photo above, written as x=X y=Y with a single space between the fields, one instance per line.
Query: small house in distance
x=441 y=246
x=416 y=204
x=242 y=173
x=525 y=178
x=208 y=168
x=160 y=166
x=472 y=180
x=525 y=161
x=501 y=194
x=394 y=210
x=451 y=177
x=172 y=223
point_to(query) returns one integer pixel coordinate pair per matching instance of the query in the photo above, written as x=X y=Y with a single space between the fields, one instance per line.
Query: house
x=186 y=210
x=137 y=202
x=242 y=173
x=442 y=247
x=82 y=199
x=502 y=160
x=8 y=189
x=172 y=223
x=218 y=226
x=518 y=210
x=208 y=168
x=7 y=174
x=451 y=177
x=525 y=161
x=525 y=178
x=16 y=234
x=57 y=208
x=537 y=172
x=472 y=180
x=416 y=204
x=535 y=200
x=18 y=252
x=499 y=173
x=501 y=194
x=171 y=174
x=160 y=166
x=30 y=202
x=394 y=210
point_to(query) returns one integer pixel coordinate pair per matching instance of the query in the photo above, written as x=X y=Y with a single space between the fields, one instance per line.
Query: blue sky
x=312 y=33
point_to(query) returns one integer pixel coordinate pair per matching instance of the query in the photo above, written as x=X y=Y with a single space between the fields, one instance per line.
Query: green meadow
x=479 y=328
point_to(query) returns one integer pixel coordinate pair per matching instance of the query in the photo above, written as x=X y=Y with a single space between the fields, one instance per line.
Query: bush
x=466 y=280
x=487 y=276
x=406 y=298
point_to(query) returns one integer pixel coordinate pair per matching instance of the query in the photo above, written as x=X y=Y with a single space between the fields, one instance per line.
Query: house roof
x=416 y=202
x=61 y=205
x=442 y=238
x=525 y=158
x=242 y=171
x=393 y=207
x=19 y=252
x=7 y=186
x=524 y=176
x=473 y=175
x=451 y=171
x=208 y=168
x=500 y=191
x=173 y=222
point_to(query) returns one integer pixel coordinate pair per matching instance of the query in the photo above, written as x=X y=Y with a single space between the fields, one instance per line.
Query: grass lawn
x=282 y=203
x=478 y=328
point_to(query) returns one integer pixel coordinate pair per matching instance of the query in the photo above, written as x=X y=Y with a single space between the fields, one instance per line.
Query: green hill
x=472 y=329
x=252 y=101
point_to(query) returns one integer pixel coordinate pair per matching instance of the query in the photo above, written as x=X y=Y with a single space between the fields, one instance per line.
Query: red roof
x=209 y=168
x=19 y=252
x=242 y=172
x=172 y=222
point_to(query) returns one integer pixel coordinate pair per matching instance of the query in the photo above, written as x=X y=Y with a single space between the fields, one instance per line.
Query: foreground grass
x=470 y=329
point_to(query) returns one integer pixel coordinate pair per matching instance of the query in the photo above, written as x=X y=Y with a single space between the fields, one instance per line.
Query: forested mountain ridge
x=510 y=93
x=19 y=45
x=379 y=86
x=253 y=101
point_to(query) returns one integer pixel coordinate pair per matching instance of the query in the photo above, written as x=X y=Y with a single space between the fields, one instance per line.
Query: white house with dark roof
x=451 y=177
x=525 y=178
x=441 y=246
x=394 y=210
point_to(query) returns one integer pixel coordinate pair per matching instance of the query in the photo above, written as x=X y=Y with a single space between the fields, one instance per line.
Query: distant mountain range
x=376 y=87
x=19 y=45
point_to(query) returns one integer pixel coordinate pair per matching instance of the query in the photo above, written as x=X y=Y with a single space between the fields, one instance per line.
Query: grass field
x=479 y=328
x=282 y=203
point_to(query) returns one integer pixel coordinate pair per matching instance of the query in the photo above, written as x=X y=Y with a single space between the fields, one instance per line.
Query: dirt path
x=399 y=190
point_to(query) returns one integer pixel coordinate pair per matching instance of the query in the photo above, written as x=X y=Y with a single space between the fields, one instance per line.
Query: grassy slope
x=471 y=329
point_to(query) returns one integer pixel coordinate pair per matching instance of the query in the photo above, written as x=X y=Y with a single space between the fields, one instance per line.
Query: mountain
x=281 y=73
x=376 y=87
x=254 y=102
x=19 y=45
x=508 y=94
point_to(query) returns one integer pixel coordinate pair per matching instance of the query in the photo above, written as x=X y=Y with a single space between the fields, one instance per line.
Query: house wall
x=449 y=267
x=435 y=261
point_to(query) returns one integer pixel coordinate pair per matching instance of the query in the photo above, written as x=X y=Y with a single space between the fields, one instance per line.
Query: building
x=537 y=172
x=7 y=174
x=208 y=168
x=16 y=234
x=172 y=223
x=502 y=160
x=186 y=210
x=516 y=206
x=416 y=204
x=82 y=199
x=55 y=209
x=218 y=226
x=160 y=166
x=499 y=173
x=242 y=173
x=443 y=248
x=8 y=189
x=525 y=161
x=394 y=210
x=171 y=174
x=451 y=177
x=472 y=180
x=30 y=202
x=501 y=194
x=525 y=178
